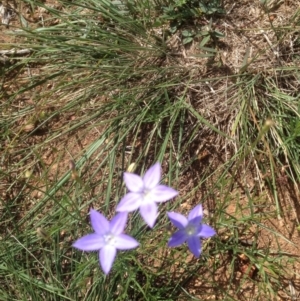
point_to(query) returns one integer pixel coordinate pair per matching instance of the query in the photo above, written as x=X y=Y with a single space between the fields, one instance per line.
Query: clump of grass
x=108 y=84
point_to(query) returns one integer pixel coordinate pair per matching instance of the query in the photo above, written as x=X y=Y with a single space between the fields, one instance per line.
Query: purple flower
x=190 y=230
x=107 y=239
x=144 y=193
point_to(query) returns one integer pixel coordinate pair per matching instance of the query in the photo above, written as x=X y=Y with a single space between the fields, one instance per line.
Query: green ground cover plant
x=94 y=90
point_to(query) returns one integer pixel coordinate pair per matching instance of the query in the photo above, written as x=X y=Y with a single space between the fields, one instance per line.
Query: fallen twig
x=16 y=51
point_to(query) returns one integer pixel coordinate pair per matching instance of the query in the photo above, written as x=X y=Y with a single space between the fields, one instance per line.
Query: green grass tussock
x=108 y=83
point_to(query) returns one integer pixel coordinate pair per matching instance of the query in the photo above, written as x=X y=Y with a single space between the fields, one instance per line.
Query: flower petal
x=162 y=193
x=90 y=242
x=133 y=182
x=194 y=245
x=99 y=223
x=118 y=223
x=196 y=214
x=125 y=242
x=207 y=231
x=178 y=220
x=149 y=213
x=152 y=176
x=130 y=202
x=177 y=238
x=107 y=256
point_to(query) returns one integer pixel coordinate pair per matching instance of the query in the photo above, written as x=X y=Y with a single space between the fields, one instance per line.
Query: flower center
x=190 y=230
x=109 y=239
x=147 y=196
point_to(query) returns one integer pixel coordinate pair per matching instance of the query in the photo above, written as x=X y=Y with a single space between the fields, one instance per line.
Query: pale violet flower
x=107 y=239
x=190 y=230
x=144 y=193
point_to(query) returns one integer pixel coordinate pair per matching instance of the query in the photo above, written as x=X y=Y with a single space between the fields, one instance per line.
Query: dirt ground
x=57 y=154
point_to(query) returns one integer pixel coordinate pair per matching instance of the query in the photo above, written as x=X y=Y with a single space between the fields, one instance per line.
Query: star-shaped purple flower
x=190 y=230
x=107 y=239
x=144 y=193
